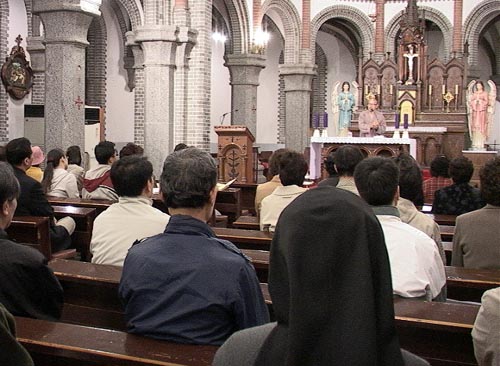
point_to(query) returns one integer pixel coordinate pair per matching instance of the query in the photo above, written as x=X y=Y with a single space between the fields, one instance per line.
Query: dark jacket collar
x=184 y=224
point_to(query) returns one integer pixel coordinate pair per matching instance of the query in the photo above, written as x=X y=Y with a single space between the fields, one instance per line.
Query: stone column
x=36 y=49
x=66 y=23
x=186 y=41
x=298 y=80
x=379 y=54
x=457 y=28
x=244 y=73
x=158 y=44
x=136 y=83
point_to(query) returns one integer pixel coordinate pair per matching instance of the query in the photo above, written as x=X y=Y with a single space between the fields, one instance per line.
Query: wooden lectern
x=235 y=153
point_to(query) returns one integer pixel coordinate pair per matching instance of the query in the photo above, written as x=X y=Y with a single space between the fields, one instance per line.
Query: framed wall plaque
x=16 y=72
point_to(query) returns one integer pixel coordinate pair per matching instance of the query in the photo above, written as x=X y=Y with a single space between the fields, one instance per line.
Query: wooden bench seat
x=84 y=220
x=443 y=219
x=246 y=239
x=247 y=223
x=444 y=328
x=52 y=344
x=99 y=205
x=35 y=232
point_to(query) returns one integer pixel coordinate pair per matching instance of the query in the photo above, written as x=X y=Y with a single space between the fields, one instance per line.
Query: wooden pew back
x=52 y=344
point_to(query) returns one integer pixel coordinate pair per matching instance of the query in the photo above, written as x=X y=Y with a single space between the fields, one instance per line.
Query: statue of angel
x=480 y=111
x=343 y=104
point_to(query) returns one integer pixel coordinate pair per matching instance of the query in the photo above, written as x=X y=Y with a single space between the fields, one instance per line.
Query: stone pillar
x=244 y=73
x=158 y=44
x=379 y=54
x=66 y=23
x=457 y=28
x=186 y=41
x=136 y=83
x=298 y=80
x=36 y=49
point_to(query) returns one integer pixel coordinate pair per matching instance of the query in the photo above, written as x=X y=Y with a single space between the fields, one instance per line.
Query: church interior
x=241 y=79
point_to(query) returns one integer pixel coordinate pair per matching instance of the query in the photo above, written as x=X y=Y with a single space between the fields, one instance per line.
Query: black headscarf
x=330 y=283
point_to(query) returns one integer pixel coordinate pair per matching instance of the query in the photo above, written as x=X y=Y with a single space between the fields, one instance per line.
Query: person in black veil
x=331 y=287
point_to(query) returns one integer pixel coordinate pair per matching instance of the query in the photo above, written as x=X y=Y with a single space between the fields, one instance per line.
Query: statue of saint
x=343 y=104
x=410 y=56
x=480 y=108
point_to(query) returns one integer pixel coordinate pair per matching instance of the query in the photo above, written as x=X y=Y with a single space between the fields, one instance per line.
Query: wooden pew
x=443 y=219
x=247 y=223
x=245 y=239
x=34 y=231
x=84 y=219
x=247 y=195
x=447 y=232
x=53 y=344
x=228 y=203
x=99 y=205
x=443 y=328
x=464 y=284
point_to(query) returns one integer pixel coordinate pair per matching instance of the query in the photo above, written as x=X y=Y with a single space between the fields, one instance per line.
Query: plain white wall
x=119 y=100
x=17 y=25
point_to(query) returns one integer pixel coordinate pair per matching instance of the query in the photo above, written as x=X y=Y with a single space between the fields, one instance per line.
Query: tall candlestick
x=444 y=90
x=396 y=121
x=391 y=89
x=325 y=120
x=456 y=89
x=366 y=89
x=405 y=123
x=378 y=89
x=430 y=89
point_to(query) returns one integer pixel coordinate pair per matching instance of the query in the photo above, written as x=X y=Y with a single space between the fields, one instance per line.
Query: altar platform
x=370 y=146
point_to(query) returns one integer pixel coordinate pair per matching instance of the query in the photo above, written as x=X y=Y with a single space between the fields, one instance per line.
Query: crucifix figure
x=79 y=102
x=410 y=56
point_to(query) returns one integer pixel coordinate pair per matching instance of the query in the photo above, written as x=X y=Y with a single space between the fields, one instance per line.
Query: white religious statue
x=410 y=55
x=343 y=102
x=480 y=111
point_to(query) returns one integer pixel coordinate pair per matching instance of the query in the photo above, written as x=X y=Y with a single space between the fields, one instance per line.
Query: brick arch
x=290 y=19
x=360 y=22
x=431 y=14
x=95 y=73
x=479 y=17
x=4 y=50
x=134 y=12
x=239 y=25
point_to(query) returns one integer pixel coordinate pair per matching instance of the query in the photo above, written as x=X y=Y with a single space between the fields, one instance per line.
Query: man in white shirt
x=416 y=266
x=293 y=168
x=132 y=218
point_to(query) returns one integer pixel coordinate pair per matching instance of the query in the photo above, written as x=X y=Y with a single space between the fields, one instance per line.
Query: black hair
x=489 y=176
x=130 y=175
x=74 y=155
x=346 y=158
x=330 y=164
x=377 y=180
x=9 y=186
x=53 y=158
x=410 y=179
x=461 y=170
x=346 y=83
x=274 y=162
x=180 y=146
x=187 y=179
x=104 y=151
x=439 y=166
x=293 y=168
x=131 y=149
x=17 y=150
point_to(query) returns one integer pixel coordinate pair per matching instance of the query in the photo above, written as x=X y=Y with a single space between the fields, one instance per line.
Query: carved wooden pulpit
x=235 y=154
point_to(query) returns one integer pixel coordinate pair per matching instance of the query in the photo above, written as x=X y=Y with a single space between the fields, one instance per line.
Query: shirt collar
x=385 y=210
x=286 y=190
x=138 y=199
x=184 y=224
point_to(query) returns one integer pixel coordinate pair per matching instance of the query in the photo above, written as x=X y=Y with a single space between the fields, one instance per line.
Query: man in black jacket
x=32 y=200
x=28 y=286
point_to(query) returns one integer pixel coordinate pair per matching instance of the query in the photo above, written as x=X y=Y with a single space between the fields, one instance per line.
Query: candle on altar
x=430 y=89
x=325 y=120
x=391 y=90
x=366 y=89
x=405 y=121
x=456 y=89
x=444 y=89
x=396 y=121
x=378 y=89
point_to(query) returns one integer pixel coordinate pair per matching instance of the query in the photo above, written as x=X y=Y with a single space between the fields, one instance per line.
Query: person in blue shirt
x=186 y=285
